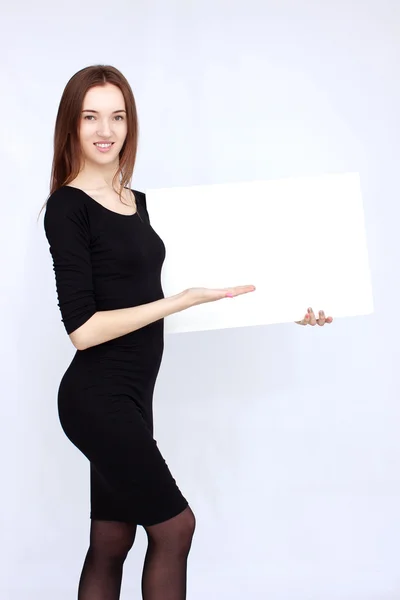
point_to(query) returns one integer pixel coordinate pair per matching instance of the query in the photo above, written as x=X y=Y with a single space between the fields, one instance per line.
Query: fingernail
x=229 y=295
x=307 y=317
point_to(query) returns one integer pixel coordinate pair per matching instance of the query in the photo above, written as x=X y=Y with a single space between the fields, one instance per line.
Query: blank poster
x=300 y=241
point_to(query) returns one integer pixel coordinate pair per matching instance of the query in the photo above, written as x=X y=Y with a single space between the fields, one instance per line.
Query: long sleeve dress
x=104 y=260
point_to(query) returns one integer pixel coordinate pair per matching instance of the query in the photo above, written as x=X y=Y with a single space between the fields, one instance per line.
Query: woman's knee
x=174 y=535
x=112 y=540
x=188 y=525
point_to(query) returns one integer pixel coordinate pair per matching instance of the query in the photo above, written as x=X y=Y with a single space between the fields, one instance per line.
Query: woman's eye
x=92 y=117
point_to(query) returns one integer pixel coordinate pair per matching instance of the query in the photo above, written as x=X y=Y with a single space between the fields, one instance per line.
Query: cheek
x=123 y=132
x=85 y=143
x=85 y=131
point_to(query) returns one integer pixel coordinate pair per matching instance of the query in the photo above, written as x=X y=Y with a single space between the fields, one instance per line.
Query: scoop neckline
x=114 y=212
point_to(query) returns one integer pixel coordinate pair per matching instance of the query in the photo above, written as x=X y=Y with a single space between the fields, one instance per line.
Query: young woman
x=107 y=262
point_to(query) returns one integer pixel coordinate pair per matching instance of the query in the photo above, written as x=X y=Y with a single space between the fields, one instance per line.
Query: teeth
x=103 y=145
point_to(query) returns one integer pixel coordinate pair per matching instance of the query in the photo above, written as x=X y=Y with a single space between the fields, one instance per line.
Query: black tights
x=164 y=573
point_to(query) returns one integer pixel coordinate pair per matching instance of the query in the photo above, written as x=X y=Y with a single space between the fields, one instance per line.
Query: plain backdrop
x=284 y=439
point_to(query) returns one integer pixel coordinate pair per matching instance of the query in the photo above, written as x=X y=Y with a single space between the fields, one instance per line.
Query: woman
x=107 y=262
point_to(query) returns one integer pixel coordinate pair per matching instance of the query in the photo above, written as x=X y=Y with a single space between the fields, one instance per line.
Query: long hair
x=67 y=157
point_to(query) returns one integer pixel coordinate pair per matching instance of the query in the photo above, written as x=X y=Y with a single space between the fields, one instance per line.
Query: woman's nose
x=104 y=129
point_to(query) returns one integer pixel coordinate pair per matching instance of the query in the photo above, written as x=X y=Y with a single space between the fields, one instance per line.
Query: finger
x=244 y=289
x=302 y=322
x=321 y=319
x=239 y=289
x=312 y=319
x=329 y=320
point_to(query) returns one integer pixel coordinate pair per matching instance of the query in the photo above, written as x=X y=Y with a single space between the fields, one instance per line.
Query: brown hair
x=67 y=152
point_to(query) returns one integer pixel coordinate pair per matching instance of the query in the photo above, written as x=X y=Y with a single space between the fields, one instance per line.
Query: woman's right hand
x=195 y=296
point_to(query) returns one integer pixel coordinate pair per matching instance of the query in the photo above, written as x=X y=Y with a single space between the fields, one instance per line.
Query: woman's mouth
x=103 y=147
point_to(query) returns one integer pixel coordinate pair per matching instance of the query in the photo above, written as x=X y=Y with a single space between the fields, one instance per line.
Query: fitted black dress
x=104 y=260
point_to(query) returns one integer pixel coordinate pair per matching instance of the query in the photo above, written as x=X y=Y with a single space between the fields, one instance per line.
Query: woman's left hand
x=310 y=318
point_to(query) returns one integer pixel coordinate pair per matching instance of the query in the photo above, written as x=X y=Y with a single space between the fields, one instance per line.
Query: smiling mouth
x=103 y=148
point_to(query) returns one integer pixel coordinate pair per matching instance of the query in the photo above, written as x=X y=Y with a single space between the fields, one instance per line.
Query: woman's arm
x=107 y=325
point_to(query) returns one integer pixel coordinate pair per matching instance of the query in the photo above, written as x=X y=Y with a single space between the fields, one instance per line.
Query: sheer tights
x=164 y=572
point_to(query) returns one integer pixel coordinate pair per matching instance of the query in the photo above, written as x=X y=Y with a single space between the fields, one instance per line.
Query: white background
x=284 y=439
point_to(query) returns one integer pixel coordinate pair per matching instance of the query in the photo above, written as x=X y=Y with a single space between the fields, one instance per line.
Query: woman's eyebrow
x=96 y=111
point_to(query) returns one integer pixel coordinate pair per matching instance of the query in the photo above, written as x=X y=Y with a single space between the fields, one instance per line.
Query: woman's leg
x=164 y=573
x=110 y=542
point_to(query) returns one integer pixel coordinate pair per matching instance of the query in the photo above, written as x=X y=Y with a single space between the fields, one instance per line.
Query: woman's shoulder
x=140 y=198
x=66 y=199
x=65 y=208
x=140 y=195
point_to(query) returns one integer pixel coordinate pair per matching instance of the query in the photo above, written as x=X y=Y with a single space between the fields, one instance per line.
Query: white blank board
x=300 y=241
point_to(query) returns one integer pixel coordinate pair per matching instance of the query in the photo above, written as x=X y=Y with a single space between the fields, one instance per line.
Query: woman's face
x=103 y=120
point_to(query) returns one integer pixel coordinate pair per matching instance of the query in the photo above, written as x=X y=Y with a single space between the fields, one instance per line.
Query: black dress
x=104 y=260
